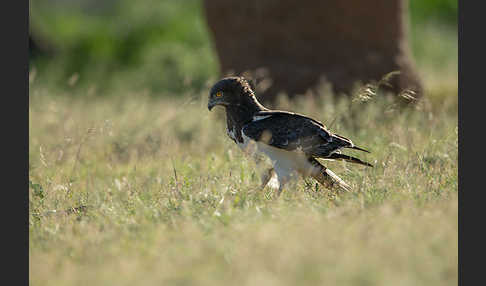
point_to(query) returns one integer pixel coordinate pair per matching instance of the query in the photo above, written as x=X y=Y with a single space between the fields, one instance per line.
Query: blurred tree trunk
x=302 y=42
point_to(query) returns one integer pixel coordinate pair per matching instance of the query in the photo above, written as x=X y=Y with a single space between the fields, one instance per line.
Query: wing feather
x=292 y=132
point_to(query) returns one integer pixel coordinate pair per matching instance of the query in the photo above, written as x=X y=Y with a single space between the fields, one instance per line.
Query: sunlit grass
x=171 y=200
x=149 y=190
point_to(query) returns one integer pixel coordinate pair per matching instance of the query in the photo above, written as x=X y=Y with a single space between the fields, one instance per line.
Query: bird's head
x=231 y=91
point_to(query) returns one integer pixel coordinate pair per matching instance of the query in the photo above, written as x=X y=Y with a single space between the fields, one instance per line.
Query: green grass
x=160 y=46
x=172 y=201
x=165 y=46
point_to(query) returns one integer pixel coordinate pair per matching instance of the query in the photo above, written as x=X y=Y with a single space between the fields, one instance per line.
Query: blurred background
x=166 y=48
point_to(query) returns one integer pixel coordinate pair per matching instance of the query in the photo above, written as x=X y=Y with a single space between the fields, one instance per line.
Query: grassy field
x=172 y=201
x=166 y=198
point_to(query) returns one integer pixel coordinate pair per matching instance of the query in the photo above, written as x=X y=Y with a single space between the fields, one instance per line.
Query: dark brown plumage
x=292 y=141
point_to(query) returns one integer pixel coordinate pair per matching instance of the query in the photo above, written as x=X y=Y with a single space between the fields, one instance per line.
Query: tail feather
x=357 y=148
x=342 y=157
x=327 y=178
x=346 y=143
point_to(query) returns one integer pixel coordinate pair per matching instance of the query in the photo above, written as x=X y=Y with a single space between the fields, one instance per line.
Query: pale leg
x=282 y=180
x=266 y=177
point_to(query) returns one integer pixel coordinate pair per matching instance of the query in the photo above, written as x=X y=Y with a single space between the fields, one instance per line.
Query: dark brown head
x=232 y=91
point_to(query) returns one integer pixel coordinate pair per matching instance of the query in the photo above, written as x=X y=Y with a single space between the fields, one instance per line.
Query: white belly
x=286 y=163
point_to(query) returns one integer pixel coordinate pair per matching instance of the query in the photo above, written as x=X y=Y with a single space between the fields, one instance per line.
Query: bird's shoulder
x=286 y=130
x=279 y=115
x=285 y=123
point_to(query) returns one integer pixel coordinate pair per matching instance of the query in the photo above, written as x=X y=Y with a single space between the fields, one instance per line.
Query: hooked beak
x=211 y=105
x=213 y=102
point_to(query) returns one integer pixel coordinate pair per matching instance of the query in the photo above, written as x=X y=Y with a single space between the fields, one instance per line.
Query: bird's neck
x=243 y=112
x=237 y=115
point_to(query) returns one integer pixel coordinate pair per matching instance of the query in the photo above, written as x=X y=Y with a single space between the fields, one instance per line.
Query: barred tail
x=326 y=177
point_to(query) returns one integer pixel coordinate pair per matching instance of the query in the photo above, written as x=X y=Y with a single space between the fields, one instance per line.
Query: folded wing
x=294 y=132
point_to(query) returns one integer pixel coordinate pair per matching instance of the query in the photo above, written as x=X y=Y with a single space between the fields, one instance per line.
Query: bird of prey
x=292 y=141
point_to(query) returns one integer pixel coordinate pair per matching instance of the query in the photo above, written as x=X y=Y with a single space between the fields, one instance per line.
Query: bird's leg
x=280 y=189
x=282 y=180
x=266 y=177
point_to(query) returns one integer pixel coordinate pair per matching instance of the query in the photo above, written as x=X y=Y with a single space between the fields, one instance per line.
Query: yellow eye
x=219 y=93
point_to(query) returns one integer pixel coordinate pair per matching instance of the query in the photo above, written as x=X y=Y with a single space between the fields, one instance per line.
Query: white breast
x=247 y=146
x=285 y=163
